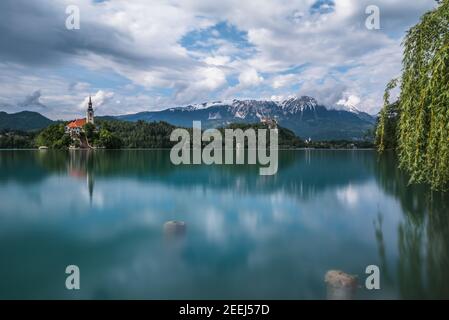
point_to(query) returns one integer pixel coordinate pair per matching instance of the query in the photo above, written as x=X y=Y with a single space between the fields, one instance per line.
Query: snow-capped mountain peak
x=349 y=104
x=291 y=105
x=295 y=104
x=201 y=106
x=303 y=115
x=353 y=109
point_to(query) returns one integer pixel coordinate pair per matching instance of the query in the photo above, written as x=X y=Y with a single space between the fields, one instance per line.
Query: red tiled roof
x=78 y=123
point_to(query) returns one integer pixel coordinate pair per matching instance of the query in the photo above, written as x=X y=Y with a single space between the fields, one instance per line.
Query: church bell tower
x=90 y=112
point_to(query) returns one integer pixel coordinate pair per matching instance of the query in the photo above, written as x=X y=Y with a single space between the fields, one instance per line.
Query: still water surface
x=247 y=236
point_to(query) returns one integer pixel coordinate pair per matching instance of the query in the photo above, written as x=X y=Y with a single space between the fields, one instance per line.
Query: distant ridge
x=303 y=115
x=23 y=121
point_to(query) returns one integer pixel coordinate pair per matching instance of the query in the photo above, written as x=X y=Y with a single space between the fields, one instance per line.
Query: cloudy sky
x=149 y=55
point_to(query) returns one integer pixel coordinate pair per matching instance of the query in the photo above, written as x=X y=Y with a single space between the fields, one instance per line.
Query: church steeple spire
x=90 y=111
x=90 y=103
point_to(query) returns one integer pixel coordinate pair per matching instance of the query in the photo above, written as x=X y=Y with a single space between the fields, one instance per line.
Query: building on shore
x=75 y=127
x=270 y=122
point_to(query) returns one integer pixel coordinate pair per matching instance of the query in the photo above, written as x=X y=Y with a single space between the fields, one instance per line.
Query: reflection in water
x=249 y=236
x=423 y=236
x=80 y=165
x=301 y=174
x=382 y=249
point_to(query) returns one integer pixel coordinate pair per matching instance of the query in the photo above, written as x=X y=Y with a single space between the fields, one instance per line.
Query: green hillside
x=23 y=121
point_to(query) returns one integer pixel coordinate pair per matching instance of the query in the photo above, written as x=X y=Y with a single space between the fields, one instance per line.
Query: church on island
x=75 y=127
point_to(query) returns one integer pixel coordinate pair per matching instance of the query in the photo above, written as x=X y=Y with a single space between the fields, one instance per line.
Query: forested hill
x=142 y=134
x=23 y=121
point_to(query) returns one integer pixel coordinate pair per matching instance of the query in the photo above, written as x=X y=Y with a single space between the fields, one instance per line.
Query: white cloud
x=212 y=78
x=277 y=98
x=249 y=78
x=200 y=83
x=327 y=91
x=284 y=80
x=350 y=101
x=217 y=60
x=330 y=56
x=99 y=99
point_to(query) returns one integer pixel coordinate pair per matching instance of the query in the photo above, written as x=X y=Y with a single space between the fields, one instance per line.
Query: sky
x=145 y=55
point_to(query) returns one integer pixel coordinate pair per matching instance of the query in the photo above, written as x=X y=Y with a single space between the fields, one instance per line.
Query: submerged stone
x=340 y=285
x=174 y=228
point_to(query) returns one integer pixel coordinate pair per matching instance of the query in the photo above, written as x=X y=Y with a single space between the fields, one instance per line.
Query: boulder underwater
x=340 y=285
x=174 y=229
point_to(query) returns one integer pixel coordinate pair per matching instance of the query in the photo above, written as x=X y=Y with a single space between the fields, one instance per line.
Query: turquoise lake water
x=247 y=236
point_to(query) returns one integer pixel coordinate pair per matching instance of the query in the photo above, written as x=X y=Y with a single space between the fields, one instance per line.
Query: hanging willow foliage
x=388 y=114
x=423 y=125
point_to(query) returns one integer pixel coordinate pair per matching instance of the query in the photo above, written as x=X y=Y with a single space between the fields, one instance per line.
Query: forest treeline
x=115 y=134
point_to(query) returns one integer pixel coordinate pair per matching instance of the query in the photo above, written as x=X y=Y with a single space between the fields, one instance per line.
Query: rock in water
x=340 y=285
x=174 y=228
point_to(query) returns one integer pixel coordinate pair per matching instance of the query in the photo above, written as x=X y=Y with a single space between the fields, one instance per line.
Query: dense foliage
x=115 y=134
x=100 y=137
x=423 y=105
x=286 y=138
x=386 y=133
x=54 y=137
x=16 y=139
x=138 y=134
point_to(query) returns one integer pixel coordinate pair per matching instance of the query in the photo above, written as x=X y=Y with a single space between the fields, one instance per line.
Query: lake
x=246 y=236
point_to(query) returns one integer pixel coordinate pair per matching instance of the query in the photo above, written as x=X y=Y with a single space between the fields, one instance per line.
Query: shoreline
x=148 y=149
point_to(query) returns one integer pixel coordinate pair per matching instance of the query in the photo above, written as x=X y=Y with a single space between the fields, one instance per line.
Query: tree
x=89 y=130
x=54 y=136
x=387 y=122
x=109 y=140
x=423 y=105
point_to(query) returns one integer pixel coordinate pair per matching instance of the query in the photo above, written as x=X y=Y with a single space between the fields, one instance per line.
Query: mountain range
x=303 y=115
